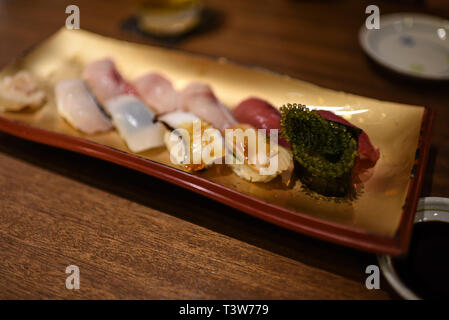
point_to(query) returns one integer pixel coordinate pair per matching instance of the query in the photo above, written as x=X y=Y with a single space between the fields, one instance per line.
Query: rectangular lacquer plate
x=378 y=220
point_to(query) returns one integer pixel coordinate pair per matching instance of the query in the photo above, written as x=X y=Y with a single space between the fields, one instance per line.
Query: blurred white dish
x=412 y=44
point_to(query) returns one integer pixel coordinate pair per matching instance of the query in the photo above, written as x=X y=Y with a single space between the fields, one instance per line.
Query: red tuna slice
x=367 y=153
x=261 y=115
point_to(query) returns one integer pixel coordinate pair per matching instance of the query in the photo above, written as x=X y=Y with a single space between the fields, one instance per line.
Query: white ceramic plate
x=429 y=209
x=411 y=44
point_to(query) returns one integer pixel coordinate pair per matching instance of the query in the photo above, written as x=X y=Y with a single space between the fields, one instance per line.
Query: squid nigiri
x=135 y=123
x=78 y=107
x=158 y=92
x=199 y=99
x=105 y=81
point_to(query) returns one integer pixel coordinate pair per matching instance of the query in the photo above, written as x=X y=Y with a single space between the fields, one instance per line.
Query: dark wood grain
x=134 y=236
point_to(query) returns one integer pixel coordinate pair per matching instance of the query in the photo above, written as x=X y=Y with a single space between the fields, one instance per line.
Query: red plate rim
x=296 y=221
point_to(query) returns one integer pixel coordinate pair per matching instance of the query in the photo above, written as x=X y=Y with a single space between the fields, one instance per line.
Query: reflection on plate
x=379 y=220
x=412 y=44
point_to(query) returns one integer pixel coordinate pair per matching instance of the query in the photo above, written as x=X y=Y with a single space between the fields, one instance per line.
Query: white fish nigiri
x=135 y=123
x=78 y=107
x=199 y=99
x=158 y=92
x=105 y=81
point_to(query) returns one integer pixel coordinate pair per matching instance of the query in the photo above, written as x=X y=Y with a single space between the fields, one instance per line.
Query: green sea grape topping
x=325 y=150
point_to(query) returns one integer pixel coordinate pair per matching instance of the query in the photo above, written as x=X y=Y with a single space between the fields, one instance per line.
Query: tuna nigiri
x=260 y=114
x=199 y=99
x=78 y=107
x=158 y=92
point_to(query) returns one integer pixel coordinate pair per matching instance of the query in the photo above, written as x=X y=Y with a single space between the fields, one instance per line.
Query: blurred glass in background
x=168 y=17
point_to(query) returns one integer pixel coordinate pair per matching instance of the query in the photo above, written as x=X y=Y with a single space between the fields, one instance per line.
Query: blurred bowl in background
x=413 y=45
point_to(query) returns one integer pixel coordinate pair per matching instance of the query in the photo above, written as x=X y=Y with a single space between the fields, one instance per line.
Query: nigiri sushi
x=194 y=144
x=260 y=114
x=135 y=123
x=254 y=157
x=176 y=118
x=329 y=152
x=105 y=81
x=158 y=92
x=199 y=99
x=75 y=104
x=19 y=92
x=368 y=154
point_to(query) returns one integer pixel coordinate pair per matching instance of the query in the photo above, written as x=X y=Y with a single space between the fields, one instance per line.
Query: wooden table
x=134 y=236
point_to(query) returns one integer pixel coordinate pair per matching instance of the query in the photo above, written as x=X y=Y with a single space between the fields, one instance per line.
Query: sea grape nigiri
x=260 y=114
x=135 y=123
x=76 y=104
x=199 y=99
x=105 y=81
x=325 y=150
x=367 y=154
x=158 y=92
